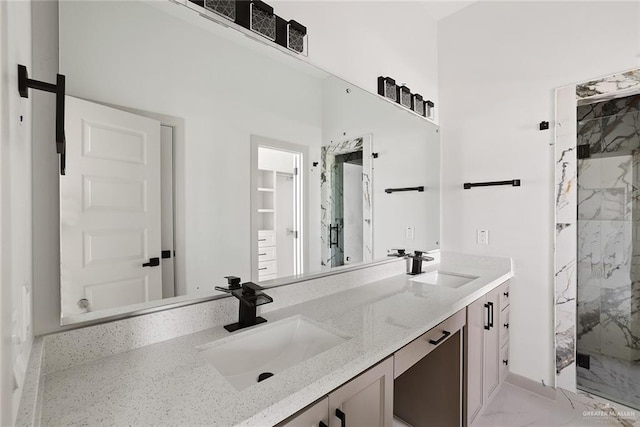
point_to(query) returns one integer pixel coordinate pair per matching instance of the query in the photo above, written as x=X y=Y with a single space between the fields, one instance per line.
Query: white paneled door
x=110 y=208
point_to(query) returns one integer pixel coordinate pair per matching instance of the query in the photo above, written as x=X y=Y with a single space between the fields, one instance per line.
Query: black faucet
x=418 y=257
x=250 y=297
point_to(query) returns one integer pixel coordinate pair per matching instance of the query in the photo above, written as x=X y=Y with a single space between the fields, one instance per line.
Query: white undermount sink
x=441 y=278
x=271 y=348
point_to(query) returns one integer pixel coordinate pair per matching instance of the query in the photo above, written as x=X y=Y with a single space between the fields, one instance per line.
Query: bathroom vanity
x=399 y=350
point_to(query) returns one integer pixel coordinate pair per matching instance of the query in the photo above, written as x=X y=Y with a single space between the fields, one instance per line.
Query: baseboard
x=531 y=386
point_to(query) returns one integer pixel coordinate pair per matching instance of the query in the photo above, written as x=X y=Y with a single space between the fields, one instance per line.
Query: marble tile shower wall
x=609 y=229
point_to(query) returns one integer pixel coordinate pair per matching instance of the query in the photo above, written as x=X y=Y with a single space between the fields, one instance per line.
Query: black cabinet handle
x=506 y=325
x=445 y=334
x=153 y=262
x=322 y=424
x=263 y=268
x=491 y=312
x=506 y=294
x=487 y=326
x=342 y=417
x=262 y=254
x=506 y=362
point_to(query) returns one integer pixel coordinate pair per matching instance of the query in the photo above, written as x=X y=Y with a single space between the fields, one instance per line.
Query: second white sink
x=268 y=349
x=440 y=278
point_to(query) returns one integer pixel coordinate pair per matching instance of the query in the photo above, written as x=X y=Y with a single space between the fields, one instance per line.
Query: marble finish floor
x=516 y=407
x=612 y=378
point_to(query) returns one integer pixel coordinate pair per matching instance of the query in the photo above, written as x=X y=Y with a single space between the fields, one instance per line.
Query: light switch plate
x=482 y=237
x=410 y=233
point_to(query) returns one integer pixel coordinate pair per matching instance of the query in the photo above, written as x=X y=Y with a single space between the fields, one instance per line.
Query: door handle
x=445 y=334
x=342 y=417
x=153 y=262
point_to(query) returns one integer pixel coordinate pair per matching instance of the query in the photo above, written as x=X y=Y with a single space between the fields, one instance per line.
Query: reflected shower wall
x=608 y=301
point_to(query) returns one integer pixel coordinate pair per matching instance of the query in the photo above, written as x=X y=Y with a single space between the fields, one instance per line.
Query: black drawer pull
x=487 y=326
x=506 y=294
x=262 y=240
x=263 y=268
x=505 y=362
x=445 y=334
x=491 y=311
x=262 y=254
x=342 y=417
x=506 y=325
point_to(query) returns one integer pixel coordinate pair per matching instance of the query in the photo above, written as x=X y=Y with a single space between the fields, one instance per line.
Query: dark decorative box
x=291 y=34
x=404 y=97
x=224 y=8
x=258 y=17
x=387 y=87
x=296 y=34
x=418 y=104
x=429 y=106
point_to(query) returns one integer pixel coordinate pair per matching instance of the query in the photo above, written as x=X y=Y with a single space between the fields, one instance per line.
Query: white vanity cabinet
x=487 y=341
x=365 y=401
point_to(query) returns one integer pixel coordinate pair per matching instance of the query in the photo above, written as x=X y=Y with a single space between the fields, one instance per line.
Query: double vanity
x=362 y=345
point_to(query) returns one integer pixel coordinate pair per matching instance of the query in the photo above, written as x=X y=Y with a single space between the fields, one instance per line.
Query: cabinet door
x=476 y=321
x=365 y=401
x=492 y=345
x=312 y=416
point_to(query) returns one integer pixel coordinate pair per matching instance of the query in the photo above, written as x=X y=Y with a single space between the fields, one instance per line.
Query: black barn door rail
x=513 y=182
x=25 y=83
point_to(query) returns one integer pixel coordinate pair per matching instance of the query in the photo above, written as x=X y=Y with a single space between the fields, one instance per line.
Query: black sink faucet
x=250 y=296
x=418 y=257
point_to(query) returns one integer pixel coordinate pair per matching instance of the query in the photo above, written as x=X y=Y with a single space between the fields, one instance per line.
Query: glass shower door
x=608 y=299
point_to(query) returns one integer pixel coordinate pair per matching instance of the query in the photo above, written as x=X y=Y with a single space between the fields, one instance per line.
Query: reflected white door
x=286 y=230
x=109 y=208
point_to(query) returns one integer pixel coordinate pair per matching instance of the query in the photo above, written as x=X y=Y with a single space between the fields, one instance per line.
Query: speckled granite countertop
x=169 y=383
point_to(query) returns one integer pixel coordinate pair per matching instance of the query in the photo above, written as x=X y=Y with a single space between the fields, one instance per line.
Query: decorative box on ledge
x=224 y=8
x=292 y=35
x=388 y=88
x=258 y=17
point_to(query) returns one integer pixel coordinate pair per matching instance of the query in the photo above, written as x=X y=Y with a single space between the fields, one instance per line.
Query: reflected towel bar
x=393 y=190
x=513 y=182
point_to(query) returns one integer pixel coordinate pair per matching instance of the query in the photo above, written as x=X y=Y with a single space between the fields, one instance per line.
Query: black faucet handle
x=251 y=288
x=234 y=282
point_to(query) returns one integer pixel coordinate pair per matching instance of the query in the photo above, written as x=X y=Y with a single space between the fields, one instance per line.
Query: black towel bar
x=393 y=190
x=513 y=182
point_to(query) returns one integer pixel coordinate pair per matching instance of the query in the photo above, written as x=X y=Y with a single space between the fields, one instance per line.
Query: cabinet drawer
x=267 y=268
x=410 y=354
x=267 y=253
x=266 y=238
x=504 y=295
x=504 y=326
x=504 y=361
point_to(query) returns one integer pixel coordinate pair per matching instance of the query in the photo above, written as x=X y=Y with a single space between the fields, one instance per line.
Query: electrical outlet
x=410 y=233
x=483 y=237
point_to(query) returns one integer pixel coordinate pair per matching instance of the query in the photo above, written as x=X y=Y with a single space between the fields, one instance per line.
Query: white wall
x=499 y=63
x=15 y=213
x=361 y=40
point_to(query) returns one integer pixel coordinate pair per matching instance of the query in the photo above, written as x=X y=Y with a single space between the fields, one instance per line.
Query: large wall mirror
x=194 y=153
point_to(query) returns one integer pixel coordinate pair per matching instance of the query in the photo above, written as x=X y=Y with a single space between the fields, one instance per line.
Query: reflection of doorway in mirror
x=116 y=209
x=279 y=213
x=346 y=208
